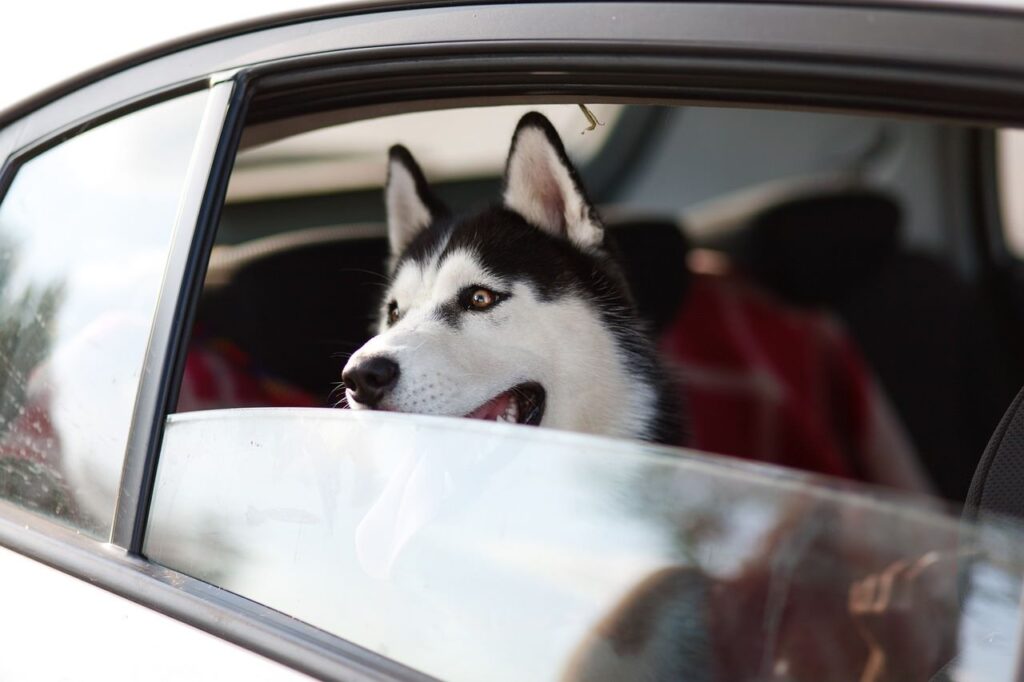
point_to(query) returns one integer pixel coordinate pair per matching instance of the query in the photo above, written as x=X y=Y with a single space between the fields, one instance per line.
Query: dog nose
x=371 y=379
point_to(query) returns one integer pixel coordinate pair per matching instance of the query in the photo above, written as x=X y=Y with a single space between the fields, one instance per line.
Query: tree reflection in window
x=29 y=448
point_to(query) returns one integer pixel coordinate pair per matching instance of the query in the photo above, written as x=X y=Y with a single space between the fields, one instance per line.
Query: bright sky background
x=43 y=43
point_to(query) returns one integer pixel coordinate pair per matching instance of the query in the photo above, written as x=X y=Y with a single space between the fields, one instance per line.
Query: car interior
x=829 y=291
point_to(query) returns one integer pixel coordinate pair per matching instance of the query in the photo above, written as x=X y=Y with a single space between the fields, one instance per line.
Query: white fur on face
x=562 y=344
x=539 y=187
x=407 y=213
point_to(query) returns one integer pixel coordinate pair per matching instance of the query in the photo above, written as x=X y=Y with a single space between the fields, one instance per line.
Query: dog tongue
x=493 y=408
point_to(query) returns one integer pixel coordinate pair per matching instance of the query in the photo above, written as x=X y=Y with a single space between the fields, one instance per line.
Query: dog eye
x=482 y=299
x=393 y=312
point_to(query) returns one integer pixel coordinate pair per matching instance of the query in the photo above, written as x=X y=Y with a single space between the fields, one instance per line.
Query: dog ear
x=411 y=206
x=542 y=186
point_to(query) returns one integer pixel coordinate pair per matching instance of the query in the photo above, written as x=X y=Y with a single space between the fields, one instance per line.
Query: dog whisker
x=338 y=388
x=362 y=271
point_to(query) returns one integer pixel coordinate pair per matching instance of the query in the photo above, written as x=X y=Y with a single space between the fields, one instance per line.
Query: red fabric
x=219 y=374
x=768 y=382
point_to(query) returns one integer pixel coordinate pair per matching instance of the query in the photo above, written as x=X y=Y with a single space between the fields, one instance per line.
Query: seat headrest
x=299 y=311
x=998 y=484
x=813 y=250
x=653 y=254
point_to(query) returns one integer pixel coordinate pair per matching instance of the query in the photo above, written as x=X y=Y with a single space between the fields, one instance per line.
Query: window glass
x=84 y=234
x=489 y=551
x=1010 y=145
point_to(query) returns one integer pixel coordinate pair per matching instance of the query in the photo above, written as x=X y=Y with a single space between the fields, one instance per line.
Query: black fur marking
x=508 y=246
x=450 y=313
x=393 y=314
x=426 y=244
x=399 y=154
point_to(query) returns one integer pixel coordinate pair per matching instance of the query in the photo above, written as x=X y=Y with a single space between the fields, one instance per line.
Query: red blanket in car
x=219 y=374
x=775 y=384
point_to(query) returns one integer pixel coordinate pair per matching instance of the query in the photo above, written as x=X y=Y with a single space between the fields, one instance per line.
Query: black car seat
x=298 y=303
x=929 y=336
x=653 y=254
x=996 y=493
x=998 y=484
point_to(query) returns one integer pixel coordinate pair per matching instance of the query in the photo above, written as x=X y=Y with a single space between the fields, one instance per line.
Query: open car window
x=799 y=271
x=475 y=551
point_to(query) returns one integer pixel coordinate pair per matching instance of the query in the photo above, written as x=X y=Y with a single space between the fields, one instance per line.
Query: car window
x=789 y=283
x=777 y=257
x=489 y=551
x=85 y=229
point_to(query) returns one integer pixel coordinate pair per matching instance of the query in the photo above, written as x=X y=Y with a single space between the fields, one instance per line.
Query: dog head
x=516 y=313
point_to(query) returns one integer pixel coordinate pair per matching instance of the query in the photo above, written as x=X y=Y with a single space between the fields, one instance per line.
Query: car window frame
x=208 y=138
x=118 y=565
x=715 y=73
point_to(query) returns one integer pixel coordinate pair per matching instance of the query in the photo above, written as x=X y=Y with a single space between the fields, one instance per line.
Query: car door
x=89 y=218
x=910 y=61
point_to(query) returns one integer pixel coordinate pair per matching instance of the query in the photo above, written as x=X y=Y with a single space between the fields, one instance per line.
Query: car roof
x=254 y=24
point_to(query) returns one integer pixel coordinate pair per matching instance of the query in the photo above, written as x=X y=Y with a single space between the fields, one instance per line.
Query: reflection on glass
x=84 y=233
x=489 y=551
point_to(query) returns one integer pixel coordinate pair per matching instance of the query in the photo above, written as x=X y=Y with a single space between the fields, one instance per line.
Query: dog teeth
x=511 y=413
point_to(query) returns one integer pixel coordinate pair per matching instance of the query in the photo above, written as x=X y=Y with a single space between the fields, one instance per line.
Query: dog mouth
x=521 y=404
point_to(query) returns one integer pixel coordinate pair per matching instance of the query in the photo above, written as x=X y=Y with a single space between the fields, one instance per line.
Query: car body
x=247 y=536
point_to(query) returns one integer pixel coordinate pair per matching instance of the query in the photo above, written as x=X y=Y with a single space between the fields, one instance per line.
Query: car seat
x=761 y=379
x=296 y=304
x=996 y=496
x=998 y=483
x=928 y=335
x=653 y=254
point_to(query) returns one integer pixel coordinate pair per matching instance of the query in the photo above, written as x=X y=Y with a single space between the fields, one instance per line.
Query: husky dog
x=518 y=313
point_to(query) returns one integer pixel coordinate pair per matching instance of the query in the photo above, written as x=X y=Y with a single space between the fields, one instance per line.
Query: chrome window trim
x=188 y=252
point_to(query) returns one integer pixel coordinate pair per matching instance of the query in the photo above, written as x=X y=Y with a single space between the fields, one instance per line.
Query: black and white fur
x=554 y=339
